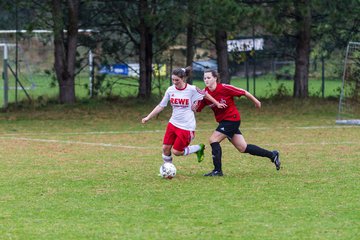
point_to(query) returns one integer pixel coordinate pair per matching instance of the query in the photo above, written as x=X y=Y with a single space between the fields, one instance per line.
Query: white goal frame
x=5 y=72
x=348 y=120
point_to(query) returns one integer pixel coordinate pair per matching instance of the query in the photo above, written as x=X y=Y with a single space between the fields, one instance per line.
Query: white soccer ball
x=168 y=170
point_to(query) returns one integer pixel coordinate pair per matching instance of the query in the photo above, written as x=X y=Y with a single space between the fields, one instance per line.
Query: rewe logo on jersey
x=179 y=101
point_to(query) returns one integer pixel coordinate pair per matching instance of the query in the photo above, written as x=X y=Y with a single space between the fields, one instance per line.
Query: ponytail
x=182 y=72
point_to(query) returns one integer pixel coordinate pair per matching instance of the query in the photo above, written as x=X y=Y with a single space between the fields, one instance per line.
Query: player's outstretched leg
x=198 y=149
x=276 y=159
x=200 y=153
x=258 y=151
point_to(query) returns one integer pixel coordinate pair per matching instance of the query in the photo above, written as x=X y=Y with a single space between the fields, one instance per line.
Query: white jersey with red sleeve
x=223 y=93
x=181 y=101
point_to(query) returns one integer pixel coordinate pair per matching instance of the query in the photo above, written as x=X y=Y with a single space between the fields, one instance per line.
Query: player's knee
x=177 y=153
x=212 y=140
x=242 y=148
x=167 y=151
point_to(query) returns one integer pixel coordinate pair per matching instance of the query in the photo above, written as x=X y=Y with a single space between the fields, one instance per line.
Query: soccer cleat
x=276 y=160
x=200 y=153
x=214 y=173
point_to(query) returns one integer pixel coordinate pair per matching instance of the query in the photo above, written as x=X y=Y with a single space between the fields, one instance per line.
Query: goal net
x=349 y=103
x=16 y=74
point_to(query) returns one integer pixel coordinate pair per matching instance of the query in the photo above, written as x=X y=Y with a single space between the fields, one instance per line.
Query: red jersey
x=223 y=93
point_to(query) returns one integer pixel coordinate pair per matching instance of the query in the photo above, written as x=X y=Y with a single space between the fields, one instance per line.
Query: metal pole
x=171 y=67
x=254 y=62
x=16 y=53
x=323 y=76
x=5 y=76
x=91 y=77
x=342 y=94
x=247 y=74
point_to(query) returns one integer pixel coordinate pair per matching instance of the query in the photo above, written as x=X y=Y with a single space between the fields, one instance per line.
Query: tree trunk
x=65 y=48
x=145 y=56
x=302 y=60
x=190 y=42
x=149 y=58
x=222 y=55
x=190 y=37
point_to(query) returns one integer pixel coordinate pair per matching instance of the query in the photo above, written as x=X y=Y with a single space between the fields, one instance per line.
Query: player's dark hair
x=214 y=73
x=182 y=72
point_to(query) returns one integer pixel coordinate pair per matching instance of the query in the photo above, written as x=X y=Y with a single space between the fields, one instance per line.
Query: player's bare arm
x=253 y=99
x=153 y=113
x=213 y=100
x=195 y=106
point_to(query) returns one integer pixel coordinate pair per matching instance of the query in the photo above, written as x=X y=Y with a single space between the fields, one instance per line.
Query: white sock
x=191 y=149
x=167 y=158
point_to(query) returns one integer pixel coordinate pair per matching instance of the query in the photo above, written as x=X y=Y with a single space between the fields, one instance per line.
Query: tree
x=63 y=18
x=14 y=13
x=160 y=23
x=146 y=51
x=291 y=20
x=306 y=25
x=222 y=55
x=218 y=18
x=190 y=35
x=333 y=29
x=140 y=31
x=303 y=36
x=65 y=44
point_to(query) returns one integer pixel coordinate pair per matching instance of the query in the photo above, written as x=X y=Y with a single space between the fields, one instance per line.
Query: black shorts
x=229 y=128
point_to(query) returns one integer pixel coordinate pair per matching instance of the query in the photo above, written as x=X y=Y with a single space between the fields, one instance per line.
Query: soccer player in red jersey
x=181 y=127
x=229 y=121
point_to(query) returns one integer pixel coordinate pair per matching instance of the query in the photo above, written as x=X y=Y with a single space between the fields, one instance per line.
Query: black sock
x=258 y=151
x=216 y=155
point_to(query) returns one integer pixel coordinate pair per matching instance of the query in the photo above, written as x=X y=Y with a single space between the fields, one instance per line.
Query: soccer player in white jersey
x=181 y=127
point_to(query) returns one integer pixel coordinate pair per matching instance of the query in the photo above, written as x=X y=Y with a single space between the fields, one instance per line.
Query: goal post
x=5 y=72
x=349 y=102
x=11 y=76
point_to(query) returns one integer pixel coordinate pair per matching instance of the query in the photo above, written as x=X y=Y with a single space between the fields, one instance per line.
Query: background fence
x=262 y=75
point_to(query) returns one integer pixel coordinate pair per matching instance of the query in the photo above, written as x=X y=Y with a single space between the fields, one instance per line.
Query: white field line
x=314 y=143
x=163 y=131
x=75 y=142
x=19 y=137
x=82 y=133
x=142 y=147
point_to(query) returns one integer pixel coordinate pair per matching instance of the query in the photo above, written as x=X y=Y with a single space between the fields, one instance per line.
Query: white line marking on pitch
x=76 y=142
x=312 y=143
x=140 y=147
x=82 y=133
x=163 y=130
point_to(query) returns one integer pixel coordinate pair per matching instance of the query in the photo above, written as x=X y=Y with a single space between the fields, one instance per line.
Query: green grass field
x=89 y=171
x=41 y=90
